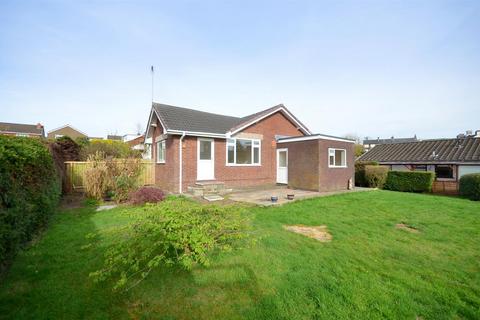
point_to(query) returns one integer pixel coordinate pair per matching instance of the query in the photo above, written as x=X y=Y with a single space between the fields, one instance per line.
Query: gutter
x=180 y=151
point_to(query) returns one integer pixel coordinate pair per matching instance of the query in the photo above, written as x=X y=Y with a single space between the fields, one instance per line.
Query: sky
x=368 y=68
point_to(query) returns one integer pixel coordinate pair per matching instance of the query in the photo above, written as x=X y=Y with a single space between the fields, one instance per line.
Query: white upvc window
x=337 y=158
x=243 y=152
x=161 y=151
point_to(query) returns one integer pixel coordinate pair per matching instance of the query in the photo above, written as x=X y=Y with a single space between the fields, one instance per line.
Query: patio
x=262 y=197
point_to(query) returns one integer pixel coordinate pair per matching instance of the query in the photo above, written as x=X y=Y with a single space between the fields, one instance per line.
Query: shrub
x=63 y=149
x=146 y=195
x=104 y=175
x=410 y=181
x=375 y=176
x=360 y=180
x=175 y=232
x=110 y=148
x=29 y=192
x=470 y=186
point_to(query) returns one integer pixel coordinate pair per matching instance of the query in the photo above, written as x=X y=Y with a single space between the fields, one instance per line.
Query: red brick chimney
x=39 y=126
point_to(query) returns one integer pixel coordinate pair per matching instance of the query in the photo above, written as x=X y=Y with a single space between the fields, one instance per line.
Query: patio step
x=204 y=188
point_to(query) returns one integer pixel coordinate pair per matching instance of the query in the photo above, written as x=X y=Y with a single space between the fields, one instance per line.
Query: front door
x=205 y=159
x=282 y=166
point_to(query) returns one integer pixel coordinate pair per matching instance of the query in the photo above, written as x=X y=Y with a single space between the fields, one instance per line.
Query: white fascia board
x=290 y=116
x=313 y=137
x=197 y=134
x=150 y=122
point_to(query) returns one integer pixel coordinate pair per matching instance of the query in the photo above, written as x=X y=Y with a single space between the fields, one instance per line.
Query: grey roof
x=389 y=140
x=426 y=151
x=185 y=119
x=21 y=128
x=114 y=137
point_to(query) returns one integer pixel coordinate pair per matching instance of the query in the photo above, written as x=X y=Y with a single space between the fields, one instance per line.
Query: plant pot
x=290 y=196
x=274 y=198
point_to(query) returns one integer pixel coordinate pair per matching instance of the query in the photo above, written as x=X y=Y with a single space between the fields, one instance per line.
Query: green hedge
x=470 y=186
x=29 y=192
x=376 y=176
x=360 y=180
x=410 y=181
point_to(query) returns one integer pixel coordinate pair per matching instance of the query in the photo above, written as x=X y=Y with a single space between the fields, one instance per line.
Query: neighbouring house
x=450 y=159
x=114 y=137
x=137 y=142
x=66 y=130
x=192 y=148
x=22 y=130
x=368 y=144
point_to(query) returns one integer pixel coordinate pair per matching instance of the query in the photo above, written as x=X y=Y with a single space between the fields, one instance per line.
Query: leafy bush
x=375 y=176
x=470 y=186
x=360 y=180
x=29 y=191
x=146 y=195
x=410 y=181
x=104 y=175
x=175 y=232
x=63 y=149
x=110 y=148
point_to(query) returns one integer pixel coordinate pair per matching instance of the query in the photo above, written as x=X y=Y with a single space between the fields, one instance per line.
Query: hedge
x=470 y=186
x=360 y=180
x=410 y=181
x=29 y=192
x=375 y=176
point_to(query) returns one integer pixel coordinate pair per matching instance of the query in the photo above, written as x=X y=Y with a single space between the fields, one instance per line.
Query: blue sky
x=373 y=68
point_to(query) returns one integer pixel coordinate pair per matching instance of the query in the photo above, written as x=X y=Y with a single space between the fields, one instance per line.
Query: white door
x=205 y=159
x=282 y=166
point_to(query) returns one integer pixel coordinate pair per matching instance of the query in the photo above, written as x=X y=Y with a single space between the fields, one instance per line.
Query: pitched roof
x=426 y=151
x=389 y=140
x=21 y=128
x=114 y=137
x=185 y=119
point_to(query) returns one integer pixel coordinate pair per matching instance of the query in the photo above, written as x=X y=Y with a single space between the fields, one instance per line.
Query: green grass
x=370 y=270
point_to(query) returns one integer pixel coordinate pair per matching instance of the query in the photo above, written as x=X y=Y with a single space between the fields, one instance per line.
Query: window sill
x=242 y=165
x=160 y=162
x=337 y=167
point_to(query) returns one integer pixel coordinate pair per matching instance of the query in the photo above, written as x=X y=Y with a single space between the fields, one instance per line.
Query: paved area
x=262 y=197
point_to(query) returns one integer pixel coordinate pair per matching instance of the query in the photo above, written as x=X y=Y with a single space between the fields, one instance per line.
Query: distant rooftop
x=35 y=129
x=389 y=140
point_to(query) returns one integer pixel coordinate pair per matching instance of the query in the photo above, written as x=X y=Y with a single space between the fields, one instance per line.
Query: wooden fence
x=75 y=173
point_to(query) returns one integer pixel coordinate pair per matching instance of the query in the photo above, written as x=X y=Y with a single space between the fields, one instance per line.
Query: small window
x=444 y=172
x=205 y=150
x=161 y=150
x=337 y=158
x=421 y=167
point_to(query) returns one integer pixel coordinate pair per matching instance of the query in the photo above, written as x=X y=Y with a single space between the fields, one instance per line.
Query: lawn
x=370 y=269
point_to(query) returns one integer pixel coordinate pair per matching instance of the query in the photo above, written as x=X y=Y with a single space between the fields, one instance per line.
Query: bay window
x=337 y=158
x=243 y=152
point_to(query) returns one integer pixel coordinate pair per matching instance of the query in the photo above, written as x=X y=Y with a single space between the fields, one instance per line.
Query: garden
x=377 y=254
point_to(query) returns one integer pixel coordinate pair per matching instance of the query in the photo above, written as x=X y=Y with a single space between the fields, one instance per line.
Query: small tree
x=376 y=176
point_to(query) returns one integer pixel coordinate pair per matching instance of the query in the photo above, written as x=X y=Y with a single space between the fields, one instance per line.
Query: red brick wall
x=331 y=179
x=166 y=174
x=303 y=164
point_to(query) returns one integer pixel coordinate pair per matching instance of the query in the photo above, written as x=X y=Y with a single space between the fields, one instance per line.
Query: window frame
x=453 y=178
x=234 y=144
x=328 y=158
x=163 y=145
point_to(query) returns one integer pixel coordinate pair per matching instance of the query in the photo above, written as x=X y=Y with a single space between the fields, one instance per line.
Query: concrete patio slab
x=262 y=197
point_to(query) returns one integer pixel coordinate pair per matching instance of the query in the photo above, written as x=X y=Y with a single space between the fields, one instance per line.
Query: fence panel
x=75 y=173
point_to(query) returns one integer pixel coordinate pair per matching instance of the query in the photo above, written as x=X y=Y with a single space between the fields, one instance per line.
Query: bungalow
x=450 y=159
x=22 y=130
x=191 y=148
x=66 y=130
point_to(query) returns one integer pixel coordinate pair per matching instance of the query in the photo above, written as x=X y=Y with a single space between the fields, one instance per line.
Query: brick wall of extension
x=167 y=174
